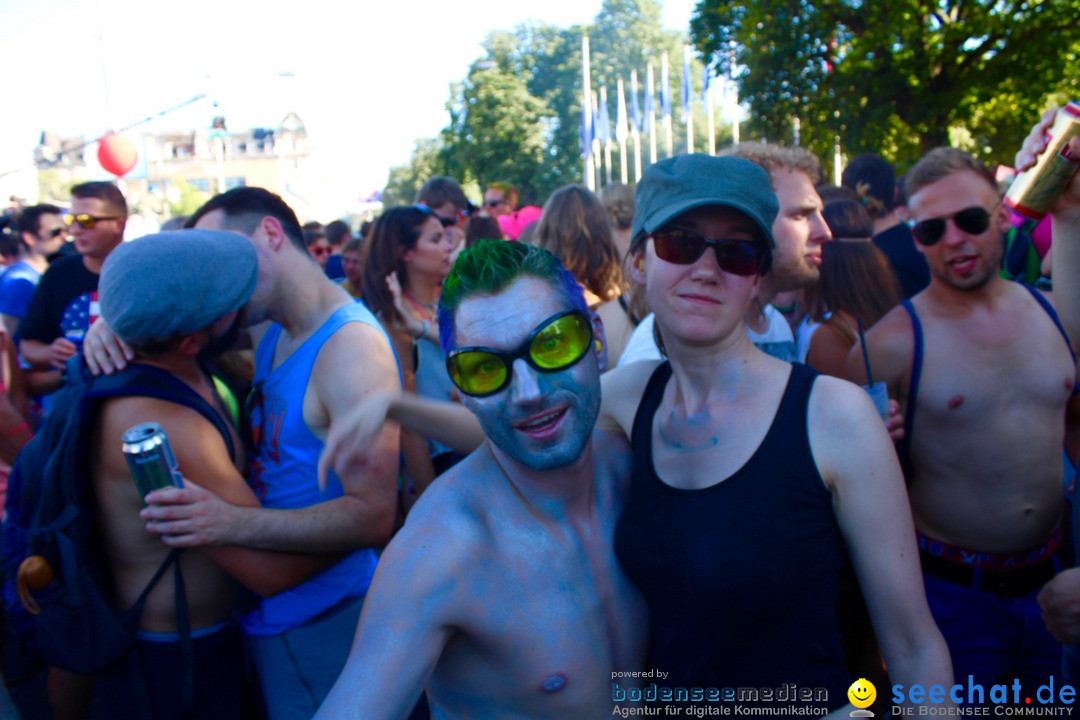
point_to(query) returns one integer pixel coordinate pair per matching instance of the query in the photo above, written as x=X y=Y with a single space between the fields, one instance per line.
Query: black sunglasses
x=972 y=220
x=684 y=247
x=493 y=203
x=445 y=222
x=56 y=232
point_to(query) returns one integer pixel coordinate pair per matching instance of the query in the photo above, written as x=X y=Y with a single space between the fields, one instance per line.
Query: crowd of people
x=496 y=462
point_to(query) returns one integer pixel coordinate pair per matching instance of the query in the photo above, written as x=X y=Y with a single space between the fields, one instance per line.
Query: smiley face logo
x=862 y=693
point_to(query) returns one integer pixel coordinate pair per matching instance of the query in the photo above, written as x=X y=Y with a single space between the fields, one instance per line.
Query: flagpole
x=635 y=130
x=620 y=131
x=586 y=116
x=665 y=91
x=598 y=152
x=709 y=114
x=688 y=95
x=607 y=134
x=651 y=93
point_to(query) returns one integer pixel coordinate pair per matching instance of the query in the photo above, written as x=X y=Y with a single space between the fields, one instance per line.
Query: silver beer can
x=150 y=458
x=1034 y=190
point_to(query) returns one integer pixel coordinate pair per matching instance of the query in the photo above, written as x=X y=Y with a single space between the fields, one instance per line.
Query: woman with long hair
x=405 y=262
x=857 y=285
x=574 y=228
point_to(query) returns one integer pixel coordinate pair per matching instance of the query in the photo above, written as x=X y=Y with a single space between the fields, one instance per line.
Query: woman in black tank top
x=738 y=512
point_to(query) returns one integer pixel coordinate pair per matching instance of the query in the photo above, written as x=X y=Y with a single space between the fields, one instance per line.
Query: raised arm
x=449 y=423
x=1065 y=238
x=857 y=461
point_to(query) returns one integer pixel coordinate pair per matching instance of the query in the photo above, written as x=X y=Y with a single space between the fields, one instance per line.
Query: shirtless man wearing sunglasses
x=501 y=595
x=984 y=371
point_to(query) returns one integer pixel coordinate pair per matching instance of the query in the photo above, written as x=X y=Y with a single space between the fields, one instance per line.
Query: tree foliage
x=895 y=76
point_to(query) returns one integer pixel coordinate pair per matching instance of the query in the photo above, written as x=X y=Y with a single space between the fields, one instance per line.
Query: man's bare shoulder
x=460 y=500
x=893 y=332
x=357 y=357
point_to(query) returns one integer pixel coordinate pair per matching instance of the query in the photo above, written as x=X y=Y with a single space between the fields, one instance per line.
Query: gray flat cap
x=174 y=283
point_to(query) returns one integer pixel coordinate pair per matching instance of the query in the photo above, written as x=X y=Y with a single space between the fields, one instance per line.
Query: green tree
x=188 y=199
x=895 y=76
x=517 y=115
x=405 y=180
x=498 y=131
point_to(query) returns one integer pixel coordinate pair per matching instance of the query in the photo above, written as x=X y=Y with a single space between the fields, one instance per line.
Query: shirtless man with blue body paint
x=501 y=596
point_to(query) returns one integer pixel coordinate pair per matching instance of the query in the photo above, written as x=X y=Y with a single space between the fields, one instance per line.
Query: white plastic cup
x=879 y=393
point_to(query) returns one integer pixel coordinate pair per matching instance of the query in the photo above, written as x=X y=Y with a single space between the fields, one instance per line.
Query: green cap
x=674 y=185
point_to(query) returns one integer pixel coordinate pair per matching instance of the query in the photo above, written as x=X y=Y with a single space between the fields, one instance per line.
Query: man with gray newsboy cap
x=175 y=297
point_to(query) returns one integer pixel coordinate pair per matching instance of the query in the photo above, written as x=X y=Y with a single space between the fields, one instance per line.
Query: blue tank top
x=284 y=473
x=740 y=578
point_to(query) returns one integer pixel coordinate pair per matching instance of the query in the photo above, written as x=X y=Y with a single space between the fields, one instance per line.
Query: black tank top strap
x=903 y=445
x=641 y=432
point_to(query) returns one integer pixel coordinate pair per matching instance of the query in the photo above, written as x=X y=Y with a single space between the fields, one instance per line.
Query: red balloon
x=116 y=154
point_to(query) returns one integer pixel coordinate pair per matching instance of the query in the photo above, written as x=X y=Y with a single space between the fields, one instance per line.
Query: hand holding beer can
x=1035 y=189
x=150 y=458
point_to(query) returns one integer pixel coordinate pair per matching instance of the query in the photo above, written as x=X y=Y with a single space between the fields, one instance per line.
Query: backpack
x=58 y=610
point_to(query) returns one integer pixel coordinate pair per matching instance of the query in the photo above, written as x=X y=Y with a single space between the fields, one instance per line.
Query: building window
x=200 y=184
x=234 y=182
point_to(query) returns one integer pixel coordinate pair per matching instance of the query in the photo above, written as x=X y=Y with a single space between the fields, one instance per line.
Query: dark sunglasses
x=683 y=247
x=56 y=232
x=556 y=344
x=85 y=221
x=493 y=203
x=445 y=222
x=972 y=220
x=318 y=250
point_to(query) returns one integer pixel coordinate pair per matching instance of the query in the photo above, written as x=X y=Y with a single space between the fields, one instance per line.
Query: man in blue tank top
x=320 y=355
x=984 y=372
x=501 y=595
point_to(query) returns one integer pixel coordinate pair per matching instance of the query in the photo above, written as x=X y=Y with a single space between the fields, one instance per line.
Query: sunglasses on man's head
x=444 y=221
x=972 y=220
x=684 y=247
x=85 y=220
x=556 y=344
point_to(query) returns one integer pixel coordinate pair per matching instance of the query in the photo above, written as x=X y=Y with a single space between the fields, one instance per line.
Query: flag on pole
x=635 y=127
x=586 y=133
x=665 y=104
x=686 y=83
x=665 y=92
x=586 y=118
x=706 y=83
x=649 y=92
x=604 y=130
x=621 y=132
x=597 y=139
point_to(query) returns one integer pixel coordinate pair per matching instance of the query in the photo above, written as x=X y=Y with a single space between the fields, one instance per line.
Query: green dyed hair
x=491 y=266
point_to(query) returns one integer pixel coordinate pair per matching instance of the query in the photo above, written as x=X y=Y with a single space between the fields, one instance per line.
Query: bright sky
x=367 y=78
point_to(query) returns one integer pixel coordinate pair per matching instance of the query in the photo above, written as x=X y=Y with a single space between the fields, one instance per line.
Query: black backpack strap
x=148 y=381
